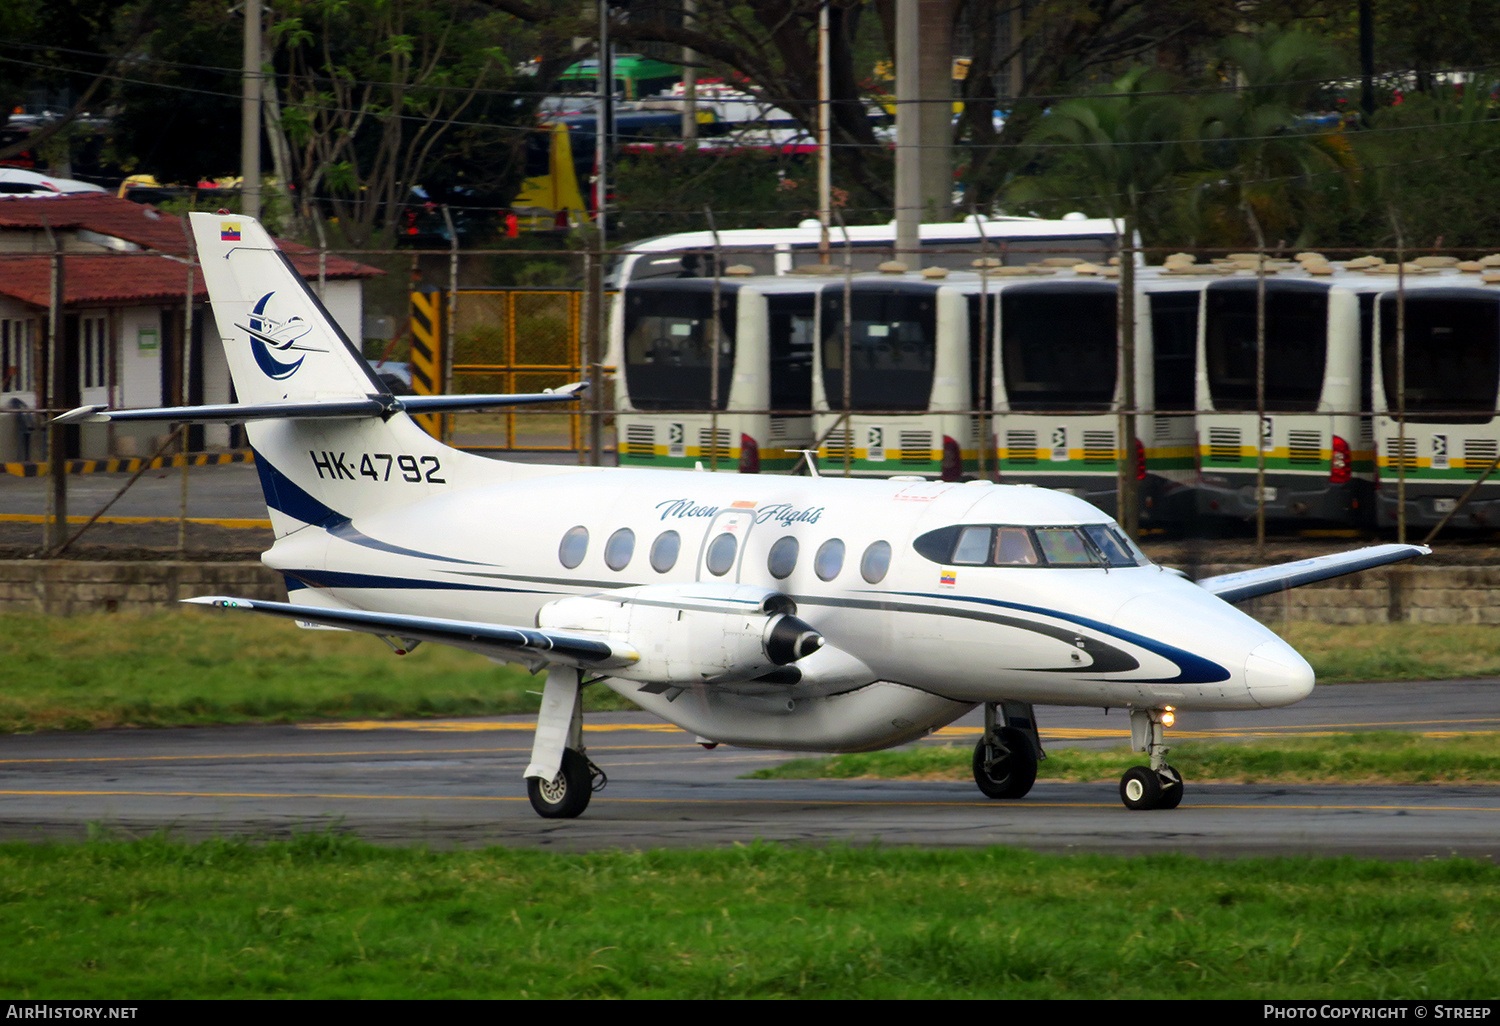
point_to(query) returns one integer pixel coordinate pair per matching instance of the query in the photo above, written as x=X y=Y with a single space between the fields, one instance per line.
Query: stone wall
x=66 y=586
x=1400 y=594
x=1397 y=594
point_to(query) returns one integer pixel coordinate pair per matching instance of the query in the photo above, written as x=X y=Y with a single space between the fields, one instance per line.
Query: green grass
x=198 y=667
x=1396 y=651
x=327 y=917
x=1390 y=757
x=193 y=666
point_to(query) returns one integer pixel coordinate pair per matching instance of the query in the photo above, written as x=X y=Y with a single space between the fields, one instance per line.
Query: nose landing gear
x=1157 y=786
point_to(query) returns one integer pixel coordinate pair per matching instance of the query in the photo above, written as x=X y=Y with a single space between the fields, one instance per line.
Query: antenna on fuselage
x=811 y=455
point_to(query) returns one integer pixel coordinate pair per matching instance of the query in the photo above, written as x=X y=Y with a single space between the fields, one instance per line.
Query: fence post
x=55 y=380
x=427 y=351
x=595 y=326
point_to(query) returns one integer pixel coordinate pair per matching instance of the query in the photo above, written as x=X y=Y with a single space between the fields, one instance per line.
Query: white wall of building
x=345 y=301
x=137 y=343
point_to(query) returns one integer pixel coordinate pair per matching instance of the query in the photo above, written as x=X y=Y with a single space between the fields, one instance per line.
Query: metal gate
x=517 y=340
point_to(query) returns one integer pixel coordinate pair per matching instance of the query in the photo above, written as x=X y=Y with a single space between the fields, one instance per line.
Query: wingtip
x=221 y=601
x=83 y=414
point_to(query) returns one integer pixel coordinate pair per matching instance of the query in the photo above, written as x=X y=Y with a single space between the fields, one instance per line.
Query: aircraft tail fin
x=281 y=343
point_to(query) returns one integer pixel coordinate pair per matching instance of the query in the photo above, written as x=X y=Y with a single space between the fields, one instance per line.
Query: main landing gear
x=1005 y=759
x=1157 y=786
x=567 y=794
x=560 y=779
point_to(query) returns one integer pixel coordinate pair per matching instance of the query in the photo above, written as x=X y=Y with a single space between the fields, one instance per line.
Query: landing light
x=1168 y=716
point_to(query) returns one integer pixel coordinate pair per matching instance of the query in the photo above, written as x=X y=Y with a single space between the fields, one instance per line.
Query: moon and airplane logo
x=270 y=336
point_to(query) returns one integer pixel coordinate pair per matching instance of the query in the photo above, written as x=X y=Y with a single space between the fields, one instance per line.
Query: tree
x=1257 y=154
x=178 y=109
x=72 y=46
x=1431 y=161
x=1121 y=142
x=375 y=96
x=770 y=45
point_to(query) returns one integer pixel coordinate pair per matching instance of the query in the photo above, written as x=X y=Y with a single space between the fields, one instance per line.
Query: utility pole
x=825 y=167
x=689 y=81
x=250 y=100
x=924 y=110
x=935 y=86
x=908 y=133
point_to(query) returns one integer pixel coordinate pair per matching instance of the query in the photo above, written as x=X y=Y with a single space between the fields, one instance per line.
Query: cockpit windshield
x=1086 y=545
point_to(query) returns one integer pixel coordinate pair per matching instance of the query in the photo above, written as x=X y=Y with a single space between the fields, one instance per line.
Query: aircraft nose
x=1277 y=675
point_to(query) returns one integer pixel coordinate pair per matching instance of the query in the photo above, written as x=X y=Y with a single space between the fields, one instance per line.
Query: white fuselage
x=913 y=650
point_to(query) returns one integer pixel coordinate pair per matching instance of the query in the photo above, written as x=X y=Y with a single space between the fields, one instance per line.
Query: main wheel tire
x=1140 y=788
x=565 y=795
x=1011 y=775
x=1171 y=788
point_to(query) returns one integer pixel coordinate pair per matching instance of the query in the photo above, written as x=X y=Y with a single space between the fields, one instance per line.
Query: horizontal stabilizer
x=334 y=409
x=1249 y=584
x=450 y=403
x=522 y=644
x=326 y=409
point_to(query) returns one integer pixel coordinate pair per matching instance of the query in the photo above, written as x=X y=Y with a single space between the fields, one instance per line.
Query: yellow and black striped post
x=427 y=353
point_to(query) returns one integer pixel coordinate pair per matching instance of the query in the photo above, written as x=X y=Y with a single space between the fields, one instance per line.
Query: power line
x=1386 y=78
x=297 y=104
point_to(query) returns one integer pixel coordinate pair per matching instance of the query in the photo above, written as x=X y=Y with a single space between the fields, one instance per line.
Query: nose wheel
x=1144 y=788
x=1157 y=786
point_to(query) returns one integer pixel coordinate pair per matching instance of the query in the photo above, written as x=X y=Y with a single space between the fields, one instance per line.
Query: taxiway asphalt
x=458 y=783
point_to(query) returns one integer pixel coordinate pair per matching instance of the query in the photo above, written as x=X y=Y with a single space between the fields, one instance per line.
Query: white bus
x=1451 y=431
x=1055 y=388
x=669 y=412
x=906 y=405
x=1317 y=445
x=1012 y=240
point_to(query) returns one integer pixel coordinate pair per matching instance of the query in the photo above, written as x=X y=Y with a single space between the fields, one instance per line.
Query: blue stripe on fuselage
x=286 y=496
x=1192 y=669
x=339 y=579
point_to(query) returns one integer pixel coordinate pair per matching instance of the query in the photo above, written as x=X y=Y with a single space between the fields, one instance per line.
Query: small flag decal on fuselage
x=229 y=233
x=949 y=578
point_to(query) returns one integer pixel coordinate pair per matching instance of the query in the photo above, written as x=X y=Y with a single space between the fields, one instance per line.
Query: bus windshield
x=892 y=346
x=1057 y=347
x=1296 y=345
x=669 y=341
x=1452 y=355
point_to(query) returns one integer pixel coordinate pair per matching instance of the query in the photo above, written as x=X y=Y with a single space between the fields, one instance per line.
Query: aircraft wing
x=1248 y=584
x=522 y=644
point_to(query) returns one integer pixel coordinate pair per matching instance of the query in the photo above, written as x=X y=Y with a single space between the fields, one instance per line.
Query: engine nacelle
x=690 y=633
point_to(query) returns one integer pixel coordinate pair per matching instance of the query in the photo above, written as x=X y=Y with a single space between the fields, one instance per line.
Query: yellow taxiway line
x=235 y=522
x=978 y=803
x=1054 y=734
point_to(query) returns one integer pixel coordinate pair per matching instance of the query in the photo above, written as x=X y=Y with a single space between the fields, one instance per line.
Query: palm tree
x=1255 y=148
x=1118 y=144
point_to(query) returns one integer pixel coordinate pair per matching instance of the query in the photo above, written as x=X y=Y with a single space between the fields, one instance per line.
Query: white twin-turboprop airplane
x=800 y=613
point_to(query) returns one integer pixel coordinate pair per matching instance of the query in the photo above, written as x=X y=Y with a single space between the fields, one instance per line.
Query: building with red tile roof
x=126 y=274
